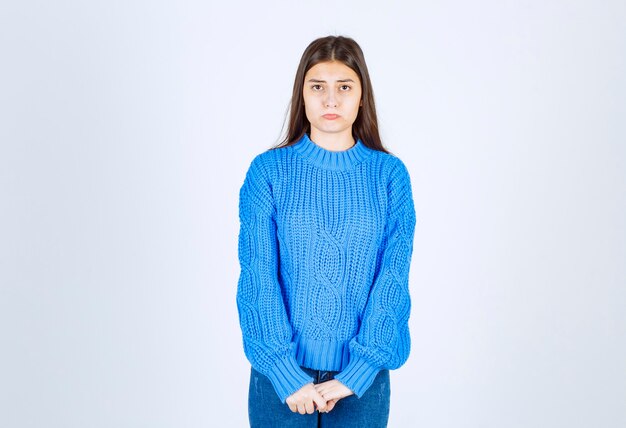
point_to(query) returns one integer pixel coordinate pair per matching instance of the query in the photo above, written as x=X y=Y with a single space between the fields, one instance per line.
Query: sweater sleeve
x=266 y=330
x=383 y=340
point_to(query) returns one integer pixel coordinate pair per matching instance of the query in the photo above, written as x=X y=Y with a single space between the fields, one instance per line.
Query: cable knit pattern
x=325 y=248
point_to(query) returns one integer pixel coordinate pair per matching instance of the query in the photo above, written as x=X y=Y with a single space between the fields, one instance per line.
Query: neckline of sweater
x=328 y=159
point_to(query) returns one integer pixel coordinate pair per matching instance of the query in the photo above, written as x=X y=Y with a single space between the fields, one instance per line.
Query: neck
x=333 y=142
x=335 y=160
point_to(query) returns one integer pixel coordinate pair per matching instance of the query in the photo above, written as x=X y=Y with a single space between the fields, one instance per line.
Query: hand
x=332 y=391
x=304 y=400
x=330 y=405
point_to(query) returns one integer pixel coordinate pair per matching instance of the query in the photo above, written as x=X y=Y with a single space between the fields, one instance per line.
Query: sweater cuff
x=358 y=375
x=287 y=377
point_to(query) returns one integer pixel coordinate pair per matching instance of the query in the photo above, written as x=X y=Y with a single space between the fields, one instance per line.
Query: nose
x=331 y=99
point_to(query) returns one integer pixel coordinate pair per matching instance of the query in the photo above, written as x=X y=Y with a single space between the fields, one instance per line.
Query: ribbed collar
x=328 y=159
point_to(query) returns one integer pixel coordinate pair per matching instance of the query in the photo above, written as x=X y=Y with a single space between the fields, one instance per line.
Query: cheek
x=309 y=110
x=310 y=102
x=355 y=105
x=308 y=107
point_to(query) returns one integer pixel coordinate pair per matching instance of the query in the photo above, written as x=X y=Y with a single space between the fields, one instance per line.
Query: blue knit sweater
x=325 y=246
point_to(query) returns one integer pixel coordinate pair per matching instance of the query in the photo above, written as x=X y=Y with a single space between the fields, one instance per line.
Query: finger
x=330 y=394
x=301 y=409
x=330 y=387
x=331 y=405
x=325 y=391
x=321 y=388
x=337 y=391
x=309 y=407
x=320 y=402
x=292 y=407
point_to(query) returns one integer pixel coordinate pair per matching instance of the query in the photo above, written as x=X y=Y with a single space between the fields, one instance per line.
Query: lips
x=330 y=116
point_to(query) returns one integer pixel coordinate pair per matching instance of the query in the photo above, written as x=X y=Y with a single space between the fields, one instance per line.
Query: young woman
x=327 y=225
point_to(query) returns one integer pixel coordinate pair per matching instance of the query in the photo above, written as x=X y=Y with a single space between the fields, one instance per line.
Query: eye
x=345 y=87
x=316 y=87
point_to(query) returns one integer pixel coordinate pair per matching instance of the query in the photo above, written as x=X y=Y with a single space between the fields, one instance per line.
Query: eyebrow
x=324 y=81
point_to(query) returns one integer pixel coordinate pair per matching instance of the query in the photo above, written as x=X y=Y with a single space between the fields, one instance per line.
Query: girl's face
x=332 y=96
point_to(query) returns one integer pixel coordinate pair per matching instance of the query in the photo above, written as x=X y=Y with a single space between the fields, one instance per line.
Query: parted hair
x=347 y=51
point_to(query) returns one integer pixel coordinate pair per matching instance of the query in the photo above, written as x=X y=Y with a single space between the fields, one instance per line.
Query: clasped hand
x=324 y=396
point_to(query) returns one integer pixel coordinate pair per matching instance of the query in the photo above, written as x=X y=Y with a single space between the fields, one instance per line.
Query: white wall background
x=126 y=128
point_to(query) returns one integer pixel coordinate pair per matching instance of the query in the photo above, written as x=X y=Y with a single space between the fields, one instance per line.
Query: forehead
x=331 y=70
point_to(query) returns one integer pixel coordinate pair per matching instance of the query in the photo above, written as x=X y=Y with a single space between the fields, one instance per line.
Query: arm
x=383 y=340
x=265 y=326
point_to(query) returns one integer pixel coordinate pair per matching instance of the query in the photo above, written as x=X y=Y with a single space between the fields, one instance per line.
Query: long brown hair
x=347 y=51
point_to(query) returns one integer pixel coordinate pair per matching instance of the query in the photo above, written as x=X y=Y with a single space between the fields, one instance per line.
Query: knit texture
x=325 y=247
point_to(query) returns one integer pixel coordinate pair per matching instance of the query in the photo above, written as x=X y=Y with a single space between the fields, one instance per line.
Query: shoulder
x=269 y=157
x=260 y=163
x=263 y=169
x=398 y=186
x=392 y=168
x=257 y=188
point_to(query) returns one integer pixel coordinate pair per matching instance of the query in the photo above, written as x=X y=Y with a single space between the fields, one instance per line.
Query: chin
x=340 y=127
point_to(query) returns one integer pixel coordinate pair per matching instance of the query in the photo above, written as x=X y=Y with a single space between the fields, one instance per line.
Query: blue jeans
x=371 y=410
